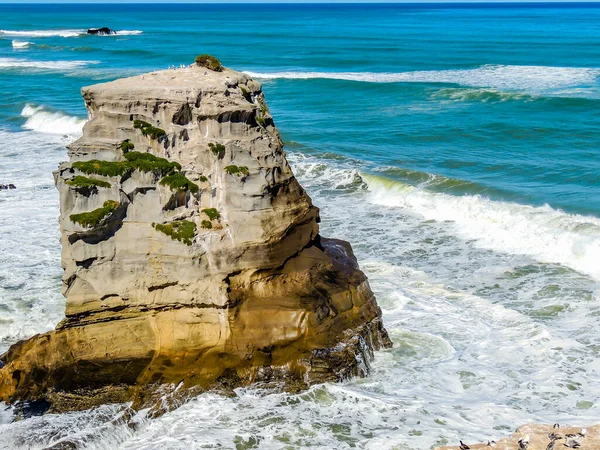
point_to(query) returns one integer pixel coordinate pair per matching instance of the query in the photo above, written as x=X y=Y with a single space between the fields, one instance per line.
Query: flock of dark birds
x=571 y=440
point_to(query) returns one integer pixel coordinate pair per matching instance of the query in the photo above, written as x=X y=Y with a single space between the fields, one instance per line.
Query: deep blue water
x=520 y=120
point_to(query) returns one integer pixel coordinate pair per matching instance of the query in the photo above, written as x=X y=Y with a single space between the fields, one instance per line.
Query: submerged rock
x=191 y=254
x=101 y=31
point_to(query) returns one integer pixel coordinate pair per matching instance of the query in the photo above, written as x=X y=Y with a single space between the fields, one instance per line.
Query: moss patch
x=237 y=170
x=210 y=62
x=178 y=182
x=147 y=162
x=144 y=162
x=203 y=179
x=178 y=230
x=80 y=181
x=149 y=129
x=212 y=213
x=206 y=224
x=217 y=149
x=95 y=217
x=127 y=146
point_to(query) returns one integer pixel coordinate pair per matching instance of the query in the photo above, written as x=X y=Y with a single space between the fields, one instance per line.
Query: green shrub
x=127 y=146
x=178 y=230
x=95 y=217
x=235 y=170
x=178 y=182
x=206 y=224
x=261 y=121
x=217 y=149
x=212 y=213
x=79 y=181
x=203 y=179
x=148 y=129
x=210 y=62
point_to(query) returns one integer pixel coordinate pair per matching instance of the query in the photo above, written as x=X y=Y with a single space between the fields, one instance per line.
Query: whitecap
x=42 y=121
x=43 y=33
x=21 y=44
x=543 y=80
x=19 y=63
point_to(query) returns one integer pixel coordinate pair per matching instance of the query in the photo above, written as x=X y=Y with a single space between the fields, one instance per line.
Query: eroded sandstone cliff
x=191 y=253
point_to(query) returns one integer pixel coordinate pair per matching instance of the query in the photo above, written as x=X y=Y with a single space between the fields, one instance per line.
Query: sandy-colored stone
x=539 y=439
x=259 y=296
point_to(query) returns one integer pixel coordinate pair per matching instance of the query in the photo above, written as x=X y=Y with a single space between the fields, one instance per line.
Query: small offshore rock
x=7 y=186
x=101 y=31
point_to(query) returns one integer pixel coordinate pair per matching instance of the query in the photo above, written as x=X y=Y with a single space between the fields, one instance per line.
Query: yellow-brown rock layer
x=540 y=436
x=253 y=293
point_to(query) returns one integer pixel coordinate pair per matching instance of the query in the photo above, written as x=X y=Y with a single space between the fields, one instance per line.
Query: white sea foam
x=128 y=32
x=43 y=121
x=21 y=44
x=543 y=233
x=60 y=33
x=43 y=33
x=532 y=79
x=19 y=63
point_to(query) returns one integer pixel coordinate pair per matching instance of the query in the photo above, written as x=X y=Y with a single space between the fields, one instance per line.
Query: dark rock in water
x=101 y=31
x=7 y=186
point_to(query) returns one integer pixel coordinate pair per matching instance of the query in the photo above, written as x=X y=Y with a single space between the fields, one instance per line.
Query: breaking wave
x=17 y=63
x=60 y=33
x=21 y=44
x=43 y=121
x=543 y=233
x=537 y=80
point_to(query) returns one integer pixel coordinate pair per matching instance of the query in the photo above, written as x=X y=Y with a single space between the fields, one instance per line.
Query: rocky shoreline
x=541 y=437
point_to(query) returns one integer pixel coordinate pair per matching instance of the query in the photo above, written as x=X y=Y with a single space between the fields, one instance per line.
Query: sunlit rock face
x=191 y=254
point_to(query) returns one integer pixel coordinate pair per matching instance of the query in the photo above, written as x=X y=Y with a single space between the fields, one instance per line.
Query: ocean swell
x=60 y=33
x=543 y=233
x=536 y=80
x=42 y=121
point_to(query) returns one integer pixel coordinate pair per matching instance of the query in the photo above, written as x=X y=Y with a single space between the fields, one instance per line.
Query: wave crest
x=42 y=121
x=536 y=80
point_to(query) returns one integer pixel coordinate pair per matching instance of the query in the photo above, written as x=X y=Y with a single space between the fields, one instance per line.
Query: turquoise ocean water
x=455 y=146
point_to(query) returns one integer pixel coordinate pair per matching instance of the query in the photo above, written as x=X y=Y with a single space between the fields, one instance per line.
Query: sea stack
x=191 y=254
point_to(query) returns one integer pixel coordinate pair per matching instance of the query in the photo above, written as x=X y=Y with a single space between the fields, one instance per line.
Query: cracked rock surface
x=209 y=272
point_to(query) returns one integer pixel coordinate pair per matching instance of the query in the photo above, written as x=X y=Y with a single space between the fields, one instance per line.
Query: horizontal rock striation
x=191 y=254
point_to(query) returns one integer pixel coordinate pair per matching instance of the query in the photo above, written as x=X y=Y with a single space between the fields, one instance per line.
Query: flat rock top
x=184 y=79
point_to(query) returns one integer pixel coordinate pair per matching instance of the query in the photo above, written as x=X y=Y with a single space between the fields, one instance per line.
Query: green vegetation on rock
x=237 y=170
x=217 y=149
x=149 y=129
x=206 y=224
x=210 y=62
x=95 y=217
x=80 y=181
x=178 y=230
x=178 y=182
x=203 y=179
x=144 y=162
x=127 y=146
x=212 y=213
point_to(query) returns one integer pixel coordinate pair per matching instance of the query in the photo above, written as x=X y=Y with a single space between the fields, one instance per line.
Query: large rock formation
x=191 y=253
